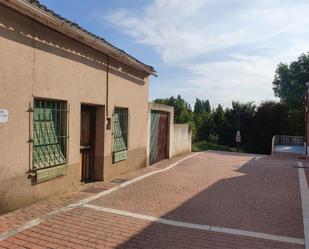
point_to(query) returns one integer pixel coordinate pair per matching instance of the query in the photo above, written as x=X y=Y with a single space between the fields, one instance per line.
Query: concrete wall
x=37 y=61
x=182 y=139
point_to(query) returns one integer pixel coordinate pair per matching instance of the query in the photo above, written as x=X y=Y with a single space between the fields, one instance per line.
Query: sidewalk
x=13 y=219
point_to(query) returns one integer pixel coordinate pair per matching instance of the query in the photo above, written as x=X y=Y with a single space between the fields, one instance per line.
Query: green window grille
x=120 y=134
x=50 y=136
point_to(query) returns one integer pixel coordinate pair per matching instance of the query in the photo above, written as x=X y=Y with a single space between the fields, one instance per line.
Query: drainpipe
x=107 y=85
x=108 y=119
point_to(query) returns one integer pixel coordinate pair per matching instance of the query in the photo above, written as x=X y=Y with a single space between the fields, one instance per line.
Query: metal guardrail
x=286 y=140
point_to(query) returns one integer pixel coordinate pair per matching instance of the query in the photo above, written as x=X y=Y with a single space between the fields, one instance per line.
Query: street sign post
x=238 y=139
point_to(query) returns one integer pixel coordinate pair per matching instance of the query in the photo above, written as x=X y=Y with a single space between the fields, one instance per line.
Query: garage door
x=158 y=136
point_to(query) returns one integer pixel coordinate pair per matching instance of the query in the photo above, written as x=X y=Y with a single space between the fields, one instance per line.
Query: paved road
x=210 y=200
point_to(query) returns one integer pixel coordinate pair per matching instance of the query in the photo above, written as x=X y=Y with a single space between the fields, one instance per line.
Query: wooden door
x=87 y=142
x=158 y=136
x=162 y=138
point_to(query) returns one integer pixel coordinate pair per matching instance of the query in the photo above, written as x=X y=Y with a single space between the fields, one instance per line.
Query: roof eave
x=55 y=23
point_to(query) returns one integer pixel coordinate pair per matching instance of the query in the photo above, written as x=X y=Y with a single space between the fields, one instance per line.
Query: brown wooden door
x=162 y=138
x=87 y=142
x=158 y=136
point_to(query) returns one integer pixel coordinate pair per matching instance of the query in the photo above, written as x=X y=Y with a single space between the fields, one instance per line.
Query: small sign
x=4 y=116
x=238 y=137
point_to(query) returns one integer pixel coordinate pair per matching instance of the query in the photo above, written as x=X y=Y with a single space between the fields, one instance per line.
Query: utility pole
x=306 y=116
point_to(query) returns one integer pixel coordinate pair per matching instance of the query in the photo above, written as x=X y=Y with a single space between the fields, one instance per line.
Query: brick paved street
x=210 y=200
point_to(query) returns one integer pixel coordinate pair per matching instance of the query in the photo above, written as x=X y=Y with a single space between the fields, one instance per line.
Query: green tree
x=289 y=85
x=219 y=124
x=182 y=112
x=201 y=106
x=204 y=124
x=290 y=80
x=271 y=119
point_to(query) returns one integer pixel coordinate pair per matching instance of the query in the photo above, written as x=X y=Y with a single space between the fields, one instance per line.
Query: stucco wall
x=182 y=139
x=37 y=61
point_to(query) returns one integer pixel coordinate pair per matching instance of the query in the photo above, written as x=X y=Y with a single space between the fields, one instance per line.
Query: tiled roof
x=75 y=25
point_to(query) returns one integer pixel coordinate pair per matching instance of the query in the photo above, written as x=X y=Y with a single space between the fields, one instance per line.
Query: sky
x=221 y=50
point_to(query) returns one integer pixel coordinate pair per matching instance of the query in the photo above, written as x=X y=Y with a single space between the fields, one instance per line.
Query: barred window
x=50 y=136
x=120 y=134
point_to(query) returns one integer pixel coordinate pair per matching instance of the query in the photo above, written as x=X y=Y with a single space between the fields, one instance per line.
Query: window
x=50 y=136
x=120 y=134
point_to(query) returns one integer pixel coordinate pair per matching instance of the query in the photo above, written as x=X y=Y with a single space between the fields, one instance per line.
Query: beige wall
x=39 y=62
x=182 y=139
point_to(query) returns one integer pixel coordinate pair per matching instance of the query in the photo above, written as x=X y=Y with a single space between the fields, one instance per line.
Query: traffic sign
x=238 y=137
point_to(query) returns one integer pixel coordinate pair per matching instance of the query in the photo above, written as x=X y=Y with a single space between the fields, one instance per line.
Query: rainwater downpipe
x=108 y=119
x=107 y=87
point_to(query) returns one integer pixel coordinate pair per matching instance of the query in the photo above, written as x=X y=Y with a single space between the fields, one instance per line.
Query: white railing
x=286 y=140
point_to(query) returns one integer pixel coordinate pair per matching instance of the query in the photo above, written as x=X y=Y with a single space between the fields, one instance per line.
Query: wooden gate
x=158 y=136
x=87 y=142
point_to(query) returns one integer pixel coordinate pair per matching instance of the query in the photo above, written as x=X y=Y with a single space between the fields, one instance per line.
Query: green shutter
x=49 y=134
x=120 y=134
x=154 y=136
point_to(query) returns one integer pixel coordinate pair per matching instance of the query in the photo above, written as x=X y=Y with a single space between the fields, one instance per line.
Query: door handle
x=85 y=147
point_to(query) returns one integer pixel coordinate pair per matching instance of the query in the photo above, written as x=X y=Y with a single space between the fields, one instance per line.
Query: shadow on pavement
x=264 y=198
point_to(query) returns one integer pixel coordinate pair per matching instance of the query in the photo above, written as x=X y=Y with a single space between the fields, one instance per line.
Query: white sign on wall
x=4 y=116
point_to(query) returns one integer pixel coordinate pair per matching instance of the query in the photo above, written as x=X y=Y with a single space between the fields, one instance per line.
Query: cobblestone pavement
x=210 y=200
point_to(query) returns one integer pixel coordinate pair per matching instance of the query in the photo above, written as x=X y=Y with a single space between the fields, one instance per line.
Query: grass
x=205 y=145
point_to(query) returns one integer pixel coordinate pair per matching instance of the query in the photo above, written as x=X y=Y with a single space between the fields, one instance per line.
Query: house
x=73 y=108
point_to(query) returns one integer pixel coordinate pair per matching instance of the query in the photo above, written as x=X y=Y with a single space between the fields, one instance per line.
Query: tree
x=206 y=106
x=271 y=119
x=244 y=114
x=203 y=123
x=289 y=85
x=219 y=124
x=201 y=106
x=182 y=110
x=290 y=80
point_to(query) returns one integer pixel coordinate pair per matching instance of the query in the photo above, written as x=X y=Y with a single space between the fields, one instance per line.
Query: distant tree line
x=257 y=124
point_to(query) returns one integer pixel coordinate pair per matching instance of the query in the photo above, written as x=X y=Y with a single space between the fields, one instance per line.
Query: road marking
x=39 y=220
x=197 y=226
x=21 y=228
x=305 y=203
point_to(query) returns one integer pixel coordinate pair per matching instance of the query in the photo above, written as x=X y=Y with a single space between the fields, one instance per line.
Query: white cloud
x=230 y=48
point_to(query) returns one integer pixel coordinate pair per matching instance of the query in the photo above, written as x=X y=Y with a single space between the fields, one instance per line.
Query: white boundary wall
x=182 y=139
